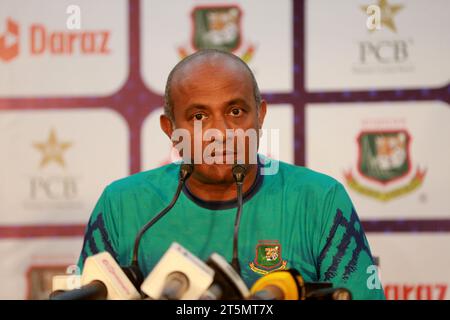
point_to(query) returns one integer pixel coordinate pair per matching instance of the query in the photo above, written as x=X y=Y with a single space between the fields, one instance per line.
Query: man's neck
x=221 y=192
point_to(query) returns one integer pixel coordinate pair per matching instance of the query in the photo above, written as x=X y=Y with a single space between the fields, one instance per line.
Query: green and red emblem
x=218 y=27
x=268 y=257
x=384 y=158
x=384 y=155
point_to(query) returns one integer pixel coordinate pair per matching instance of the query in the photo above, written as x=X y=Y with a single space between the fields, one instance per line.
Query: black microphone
x=239 y=171
x=96 y=290
x=133 y=270
x=330 y=294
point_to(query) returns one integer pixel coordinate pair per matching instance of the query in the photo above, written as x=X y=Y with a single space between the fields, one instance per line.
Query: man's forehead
x=214 y=64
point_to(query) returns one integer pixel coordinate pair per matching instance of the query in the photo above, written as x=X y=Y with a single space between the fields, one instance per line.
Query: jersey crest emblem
x=268 y=257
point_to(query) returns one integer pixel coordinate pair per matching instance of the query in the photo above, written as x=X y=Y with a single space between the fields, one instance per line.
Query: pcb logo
x=268 y=257
x=217 y=27
x=384 y=157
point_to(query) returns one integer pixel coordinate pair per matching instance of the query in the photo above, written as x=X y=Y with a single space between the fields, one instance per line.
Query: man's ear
x=166 y=125
x=262 y=113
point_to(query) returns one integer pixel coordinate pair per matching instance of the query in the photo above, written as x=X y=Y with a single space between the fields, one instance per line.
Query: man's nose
x=220 y=124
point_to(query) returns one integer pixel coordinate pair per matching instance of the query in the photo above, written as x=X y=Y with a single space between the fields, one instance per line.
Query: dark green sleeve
x=100 y=233
x=345 y=258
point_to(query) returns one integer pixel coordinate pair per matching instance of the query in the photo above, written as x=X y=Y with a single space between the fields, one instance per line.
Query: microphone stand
x=133 y=270
x=239 y=171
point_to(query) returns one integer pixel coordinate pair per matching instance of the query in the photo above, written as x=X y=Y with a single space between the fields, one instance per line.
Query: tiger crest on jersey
x=268 y=257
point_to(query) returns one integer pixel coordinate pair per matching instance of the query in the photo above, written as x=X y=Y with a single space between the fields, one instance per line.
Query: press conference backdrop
x=81 y=91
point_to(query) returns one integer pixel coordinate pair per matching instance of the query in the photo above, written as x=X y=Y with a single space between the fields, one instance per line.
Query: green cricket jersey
x=297 y=219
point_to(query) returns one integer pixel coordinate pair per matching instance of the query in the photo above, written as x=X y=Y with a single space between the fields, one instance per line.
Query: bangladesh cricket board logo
x=268 y=257
x=384 y=157
x=217 y=27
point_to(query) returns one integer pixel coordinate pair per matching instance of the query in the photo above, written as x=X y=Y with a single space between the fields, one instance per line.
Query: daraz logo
x=43 y=41
x=9 y=41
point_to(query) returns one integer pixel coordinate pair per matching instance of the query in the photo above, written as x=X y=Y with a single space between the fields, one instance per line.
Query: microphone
x=239 y=171
x=102 y=278
x=290 y=285
x=279 y=285
x=133 y=270
x=179 y=275
x=330 y=294
x=96 y=290
x=63 y=283
x=227 y=284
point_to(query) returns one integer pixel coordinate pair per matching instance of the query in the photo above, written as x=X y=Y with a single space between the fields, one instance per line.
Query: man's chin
x=214 y=173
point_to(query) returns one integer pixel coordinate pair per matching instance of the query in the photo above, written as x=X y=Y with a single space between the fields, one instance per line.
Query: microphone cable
x=239 y=171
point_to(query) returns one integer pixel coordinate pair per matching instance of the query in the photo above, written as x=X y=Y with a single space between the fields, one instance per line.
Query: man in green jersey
x=293 y=217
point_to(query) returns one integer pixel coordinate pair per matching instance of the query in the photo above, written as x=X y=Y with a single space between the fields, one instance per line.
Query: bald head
x=207 y=57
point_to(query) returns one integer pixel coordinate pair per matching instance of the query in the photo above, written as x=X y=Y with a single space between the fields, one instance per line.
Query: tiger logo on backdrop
x=384 y=158
x=217 y=27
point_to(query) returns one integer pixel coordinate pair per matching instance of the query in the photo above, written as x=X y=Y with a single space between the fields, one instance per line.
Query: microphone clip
x=239 y=171
x=186 y=170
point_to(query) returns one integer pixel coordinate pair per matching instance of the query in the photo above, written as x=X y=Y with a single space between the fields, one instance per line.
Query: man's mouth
x=226 y=156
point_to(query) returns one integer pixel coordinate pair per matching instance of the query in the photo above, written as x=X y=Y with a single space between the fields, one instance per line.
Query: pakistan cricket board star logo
x=52 y=150
x=268 y=257
x=384 y=157
x=388 y=12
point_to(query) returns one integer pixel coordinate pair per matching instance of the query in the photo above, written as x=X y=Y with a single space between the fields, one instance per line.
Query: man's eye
x=236 y=112
x=199 y=116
